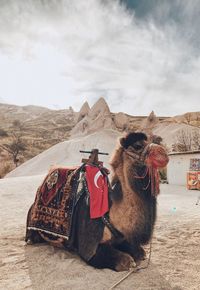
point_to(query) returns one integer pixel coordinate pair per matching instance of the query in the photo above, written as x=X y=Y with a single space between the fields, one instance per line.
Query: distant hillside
x=67 y=153
x=41 y=128
x=192 y=118
x=38 y=121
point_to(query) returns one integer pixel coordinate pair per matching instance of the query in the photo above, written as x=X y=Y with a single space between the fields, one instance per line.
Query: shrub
x=5 y=168
x=3 y=133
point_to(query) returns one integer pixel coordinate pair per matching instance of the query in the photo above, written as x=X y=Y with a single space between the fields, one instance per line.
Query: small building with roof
x=178 y=166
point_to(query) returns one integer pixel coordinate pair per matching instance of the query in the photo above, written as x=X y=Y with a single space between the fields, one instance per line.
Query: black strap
x=117 y=234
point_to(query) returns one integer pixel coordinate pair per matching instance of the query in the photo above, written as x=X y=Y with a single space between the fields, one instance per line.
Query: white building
x=178 y=166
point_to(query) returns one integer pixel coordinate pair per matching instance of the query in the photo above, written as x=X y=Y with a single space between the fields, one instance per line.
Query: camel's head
x=131 y=147
x=137 y=146
x=135 y=149
x=137 y=160
x=134 y=142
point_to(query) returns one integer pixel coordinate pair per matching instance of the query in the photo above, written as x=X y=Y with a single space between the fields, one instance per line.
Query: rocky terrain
x=171 y=129
x=40 y=128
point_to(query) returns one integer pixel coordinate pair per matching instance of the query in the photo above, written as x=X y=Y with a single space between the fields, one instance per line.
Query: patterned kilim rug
x=52 y=210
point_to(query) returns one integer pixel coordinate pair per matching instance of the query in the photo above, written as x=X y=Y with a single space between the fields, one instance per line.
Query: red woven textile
x=98 y=189
x=52 y=184
x=157 y=156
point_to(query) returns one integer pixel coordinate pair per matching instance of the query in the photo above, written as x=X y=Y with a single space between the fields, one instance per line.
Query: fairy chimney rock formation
x=97 y=118
x=99 y=108
x=83 y=111
x=121 y=121
x=149 y=123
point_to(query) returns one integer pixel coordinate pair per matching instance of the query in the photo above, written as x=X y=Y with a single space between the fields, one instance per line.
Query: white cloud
x=63 y=52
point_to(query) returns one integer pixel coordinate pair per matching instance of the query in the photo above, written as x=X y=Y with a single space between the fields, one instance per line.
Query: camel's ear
x=122 y=142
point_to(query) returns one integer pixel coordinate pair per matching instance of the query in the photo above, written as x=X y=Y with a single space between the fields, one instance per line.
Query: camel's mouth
x=157 y=156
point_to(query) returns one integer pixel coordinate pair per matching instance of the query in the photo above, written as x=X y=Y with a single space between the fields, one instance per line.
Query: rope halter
x=141 y=155
x=152 y=172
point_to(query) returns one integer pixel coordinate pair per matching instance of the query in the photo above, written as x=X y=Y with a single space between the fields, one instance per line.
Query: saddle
x=62 y=208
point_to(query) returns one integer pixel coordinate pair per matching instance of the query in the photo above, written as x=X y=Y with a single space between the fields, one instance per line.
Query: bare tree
x=188 y=117
x=15 y=147
x=15 y=144
x=17 y=127
x=196 y=139
x=3 y=133
x=187 y=141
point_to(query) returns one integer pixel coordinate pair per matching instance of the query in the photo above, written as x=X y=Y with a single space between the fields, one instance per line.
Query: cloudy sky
x=139 y=55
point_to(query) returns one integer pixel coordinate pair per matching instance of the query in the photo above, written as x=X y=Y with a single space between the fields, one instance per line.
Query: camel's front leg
x=109 y=257
x=136 y=251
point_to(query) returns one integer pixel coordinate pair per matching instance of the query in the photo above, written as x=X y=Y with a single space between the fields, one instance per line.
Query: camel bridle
x=140 y=156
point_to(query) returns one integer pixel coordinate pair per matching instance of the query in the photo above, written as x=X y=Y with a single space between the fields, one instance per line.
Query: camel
x=116 y=239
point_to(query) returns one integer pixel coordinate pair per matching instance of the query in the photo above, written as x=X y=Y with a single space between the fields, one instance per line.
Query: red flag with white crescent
x=98 y=189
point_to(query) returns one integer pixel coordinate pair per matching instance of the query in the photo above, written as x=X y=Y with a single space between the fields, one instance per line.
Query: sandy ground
x=175 y=261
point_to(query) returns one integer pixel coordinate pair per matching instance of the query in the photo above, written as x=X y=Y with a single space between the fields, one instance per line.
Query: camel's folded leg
x=33 y=237
x=136 y=251
x=109 y=257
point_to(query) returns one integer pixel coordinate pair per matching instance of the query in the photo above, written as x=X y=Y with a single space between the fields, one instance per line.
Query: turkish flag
x=98 y=189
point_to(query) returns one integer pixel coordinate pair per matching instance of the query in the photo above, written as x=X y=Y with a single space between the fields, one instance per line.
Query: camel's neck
x=134 y=181
x=129 y=207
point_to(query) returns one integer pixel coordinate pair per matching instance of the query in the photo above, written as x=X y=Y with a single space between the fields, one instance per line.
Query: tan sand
x=175 y=262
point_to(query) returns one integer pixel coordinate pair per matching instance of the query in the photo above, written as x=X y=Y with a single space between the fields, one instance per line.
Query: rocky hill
x=67 y=153
x=99 y=117
x=40 y=128
x=192 y=119
x=90 y=120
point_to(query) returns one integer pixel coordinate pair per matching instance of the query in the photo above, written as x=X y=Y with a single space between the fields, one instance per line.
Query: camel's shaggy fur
x=133 y=210
x=131 y=214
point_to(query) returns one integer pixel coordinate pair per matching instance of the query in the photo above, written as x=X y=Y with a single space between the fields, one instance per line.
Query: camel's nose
x=157 y=155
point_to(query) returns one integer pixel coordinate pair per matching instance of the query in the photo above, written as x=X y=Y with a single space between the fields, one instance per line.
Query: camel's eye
x=137 y=146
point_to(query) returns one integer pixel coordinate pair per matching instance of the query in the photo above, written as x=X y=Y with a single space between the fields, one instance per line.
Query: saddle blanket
x=53 y=207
